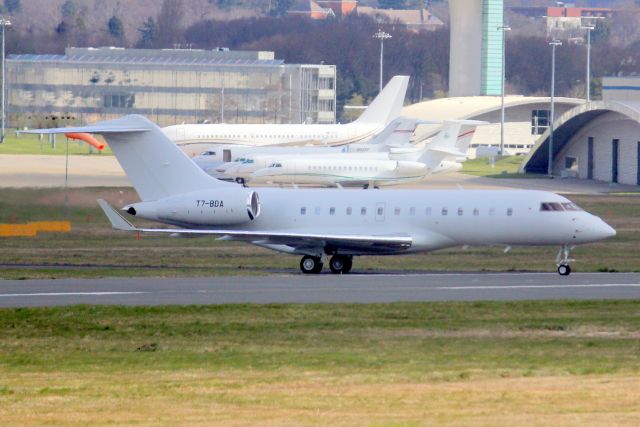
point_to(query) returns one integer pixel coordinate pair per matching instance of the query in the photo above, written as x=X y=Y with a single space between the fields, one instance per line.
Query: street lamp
x=504 y=29
x=382 y=36
x=589 y=28
x=554 y=43
x=4 y=22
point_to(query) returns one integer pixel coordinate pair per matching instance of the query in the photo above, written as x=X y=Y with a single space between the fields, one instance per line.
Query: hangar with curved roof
x=597 y=140
x=526 y=118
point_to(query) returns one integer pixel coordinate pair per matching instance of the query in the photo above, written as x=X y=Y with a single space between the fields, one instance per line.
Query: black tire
x=310 y=264
x=340 y=264
x=347 y=265
x=564 y=270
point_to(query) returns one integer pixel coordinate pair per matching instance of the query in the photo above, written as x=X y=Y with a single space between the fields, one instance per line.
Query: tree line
x=347 y=43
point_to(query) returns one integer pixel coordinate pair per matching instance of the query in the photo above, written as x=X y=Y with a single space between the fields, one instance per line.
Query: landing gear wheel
x=340 y=264
x=563 y=260
x=347 y=265
x=311 y=264
x=564 y=269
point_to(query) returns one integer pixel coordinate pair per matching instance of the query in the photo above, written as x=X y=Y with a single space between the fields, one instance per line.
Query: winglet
x=117 y=221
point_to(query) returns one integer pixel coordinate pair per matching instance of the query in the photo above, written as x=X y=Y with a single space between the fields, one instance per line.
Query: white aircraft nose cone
x=596 y=229
x=607 y=231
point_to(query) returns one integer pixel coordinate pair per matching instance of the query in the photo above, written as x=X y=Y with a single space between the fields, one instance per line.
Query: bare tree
x=169 y=21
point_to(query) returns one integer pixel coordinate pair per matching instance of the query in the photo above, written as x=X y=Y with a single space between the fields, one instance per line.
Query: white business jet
x=402 y=164
x=336 y=223
x=196 y=138
x=394 y=137
x=245 y=160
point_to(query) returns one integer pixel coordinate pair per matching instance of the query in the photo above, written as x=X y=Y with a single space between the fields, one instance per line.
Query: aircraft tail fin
x=388 y=104
x=398 y=133
x=155 y=166
x=452 y=142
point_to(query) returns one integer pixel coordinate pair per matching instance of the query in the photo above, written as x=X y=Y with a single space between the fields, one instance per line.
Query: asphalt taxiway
x=325 y=288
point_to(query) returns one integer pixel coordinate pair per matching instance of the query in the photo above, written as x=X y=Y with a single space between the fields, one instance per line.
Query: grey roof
x=141 y=59
x=568 y=124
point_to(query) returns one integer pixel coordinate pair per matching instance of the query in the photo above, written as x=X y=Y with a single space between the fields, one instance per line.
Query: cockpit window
x=550 y=206
x=208 y=153
x=571 y=207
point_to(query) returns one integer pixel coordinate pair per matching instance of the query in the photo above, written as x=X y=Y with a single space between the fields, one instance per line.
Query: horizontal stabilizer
x=88 y=129
x=446 y=152
x=117 y=220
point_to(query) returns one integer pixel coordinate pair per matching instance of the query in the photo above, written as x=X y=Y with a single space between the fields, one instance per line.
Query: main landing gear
x=563 y=260
x=339 y=264
x=311 y=264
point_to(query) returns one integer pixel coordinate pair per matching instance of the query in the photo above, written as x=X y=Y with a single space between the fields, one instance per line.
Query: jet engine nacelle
x=206 y=207
x=411 y=168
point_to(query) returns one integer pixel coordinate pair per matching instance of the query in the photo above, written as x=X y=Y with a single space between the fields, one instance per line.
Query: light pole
x=589 y=28
x=554 y=43
x=4 y=22
x=382 y=36
x=504 y=29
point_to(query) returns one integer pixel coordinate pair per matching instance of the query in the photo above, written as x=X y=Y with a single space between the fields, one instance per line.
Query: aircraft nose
x=597 y=229
x=607 y=231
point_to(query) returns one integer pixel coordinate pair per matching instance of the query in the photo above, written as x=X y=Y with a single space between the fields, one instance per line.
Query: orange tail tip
x=86 y=137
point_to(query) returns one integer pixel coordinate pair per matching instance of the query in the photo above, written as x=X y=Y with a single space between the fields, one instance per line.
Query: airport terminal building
x=169 y=86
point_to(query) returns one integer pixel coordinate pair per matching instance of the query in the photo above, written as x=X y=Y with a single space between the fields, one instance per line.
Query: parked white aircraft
x=196 y=138
x=220 y=159
x=316 y=223
x=400 y=165
x=394 y=138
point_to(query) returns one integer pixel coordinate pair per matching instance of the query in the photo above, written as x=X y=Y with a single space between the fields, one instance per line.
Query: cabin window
x=380 y=211
x=396 y=211
x=445 y=211
x=363 y=211
x=427 y=212
x=460 y=212
x=332 y=211
x=349 y=210
x=509 y=211
x=303 y=210
x=318 y=210
x=492 y=212
x=476 y=212
x=412 y=211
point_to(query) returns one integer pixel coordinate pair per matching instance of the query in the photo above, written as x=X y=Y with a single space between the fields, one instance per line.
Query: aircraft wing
x=360 y=242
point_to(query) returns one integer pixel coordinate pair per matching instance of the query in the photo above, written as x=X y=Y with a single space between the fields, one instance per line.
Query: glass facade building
x=169 y=86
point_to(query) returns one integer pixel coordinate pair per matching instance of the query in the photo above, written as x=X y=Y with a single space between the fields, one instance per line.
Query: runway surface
x=326 y=288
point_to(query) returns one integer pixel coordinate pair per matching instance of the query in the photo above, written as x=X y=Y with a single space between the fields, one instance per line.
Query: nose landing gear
x=563 y=260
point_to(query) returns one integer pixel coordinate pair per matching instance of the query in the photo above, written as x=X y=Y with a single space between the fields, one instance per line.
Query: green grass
x=506 y=363
x=507 y=167
x=93 y=249
x=414 y=340
x=32 y=144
